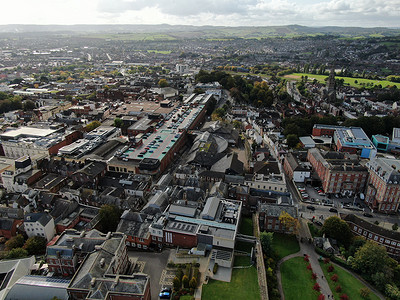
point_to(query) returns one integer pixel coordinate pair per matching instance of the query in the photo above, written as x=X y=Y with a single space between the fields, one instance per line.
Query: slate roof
x=6 y=224
x=134 y=224
x=229 y=164
x=42 y=218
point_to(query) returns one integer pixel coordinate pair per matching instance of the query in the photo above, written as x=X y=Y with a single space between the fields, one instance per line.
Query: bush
x=15 y=242
x=338 y=288
x=314 y=276
x=193 y=283
x=395 y=226
x=316 y=287
x=176 y=283
x=185 y=281
x=327 y=260
x=196 y=274
x=321 y=297
x=17 y=253
x=309 y=267
x=344 y=297
x=179 y=274
x=364 y=292
x=197 y=265
x=215 y=268
x=171 y=264
x=331 y=268
x=334 y=278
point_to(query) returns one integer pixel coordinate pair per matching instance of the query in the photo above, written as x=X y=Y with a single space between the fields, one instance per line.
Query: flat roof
x=28 y=131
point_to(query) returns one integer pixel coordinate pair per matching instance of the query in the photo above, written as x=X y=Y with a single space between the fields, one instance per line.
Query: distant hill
x=207 y=32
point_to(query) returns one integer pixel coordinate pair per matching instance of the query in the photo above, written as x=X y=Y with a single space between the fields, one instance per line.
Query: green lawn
x=246 y=226
x=243 y=246
x=347 y=80
x=243 y=285
x=186 y=297
x=296 y=280
x=242 y=261
x=350 y=285
x=313 y=230
x=160 y=51
x=285 y=244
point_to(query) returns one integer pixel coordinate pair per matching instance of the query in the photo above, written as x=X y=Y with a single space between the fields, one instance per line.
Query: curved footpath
x=306 y=248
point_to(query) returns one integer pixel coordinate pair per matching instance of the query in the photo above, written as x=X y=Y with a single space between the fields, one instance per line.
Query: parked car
x=310 y=207
x=334 y=210
x=368 y=215
x=165 y=293
x=319 y=223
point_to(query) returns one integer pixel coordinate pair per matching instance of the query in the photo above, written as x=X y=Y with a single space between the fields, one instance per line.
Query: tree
x=292 y=140
x=118 y=122
x=395 y=226
x=364 y=292
x=17 y=253
x=29 y=105
x=109 y=217
x=163 y=83
x=372 y=261
x=176 y=283
x=290 y=223
x=185 y=281
x=193 y=283
x=92 y=125
x=15 y=242
x=266 y=239
x=36 y=245
x=338 y=229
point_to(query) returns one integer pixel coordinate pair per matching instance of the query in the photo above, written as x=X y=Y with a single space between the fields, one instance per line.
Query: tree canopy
x=36 y=245
x=266 y=239
x=109 y=217
x=336 y=228
x=15 y=242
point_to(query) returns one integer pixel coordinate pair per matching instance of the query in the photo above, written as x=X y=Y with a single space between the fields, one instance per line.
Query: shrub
x=327 y=260
x=344 y=297
x=193 y=283
x=185 y=281
x=196 y=274
x=334 y=277
x=321 y=297
x=16 y=253
x=338 y=288
x=309 y=267
x=395 y=226
x=176 y=283
x=306 y=259
x=331 y=268
x=188 y=270
x=197 y=265
x=215 y=268
x=316 y=287
x=376 y=223
x=364 y=292
x=179 y=273
x=314 y=276
x=171 y=264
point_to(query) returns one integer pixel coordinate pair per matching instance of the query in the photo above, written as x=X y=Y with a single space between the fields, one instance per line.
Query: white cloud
x=204 y=12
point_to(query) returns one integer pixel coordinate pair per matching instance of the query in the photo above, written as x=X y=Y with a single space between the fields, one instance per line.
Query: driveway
x=154 y=264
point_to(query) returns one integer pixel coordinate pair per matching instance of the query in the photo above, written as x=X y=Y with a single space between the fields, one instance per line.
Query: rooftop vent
x=102 y=262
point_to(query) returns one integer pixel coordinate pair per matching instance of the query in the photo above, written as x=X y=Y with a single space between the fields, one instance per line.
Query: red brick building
x=338 y=172
x=269 y=214
x=383 y=190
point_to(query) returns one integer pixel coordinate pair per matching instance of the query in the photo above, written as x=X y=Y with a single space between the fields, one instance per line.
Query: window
x=153 y=238
x=381 y=240
x=359 y=230
x=355 y=228
x=160 y=239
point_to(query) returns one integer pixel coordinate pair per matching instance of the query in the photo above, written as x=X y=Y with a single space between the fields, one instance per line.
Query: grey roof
x=6 y=224
x=210 y=209
x=42 y=218
x=266 y=167
x=275 y=210
x=93 y=168
x=32 y=287
x=229 y=164
x=134 y=224
x=207 y=149
x=183 y=210
x=388 y=169
x=157 y=203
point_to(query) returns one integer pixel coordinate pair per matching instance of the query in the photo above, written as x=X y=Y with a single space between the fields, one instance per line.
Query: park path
x=306 y=249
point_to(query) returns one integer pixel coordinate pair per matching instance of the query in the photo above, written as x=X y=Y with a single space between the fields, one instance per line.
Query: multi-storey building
x=347 y=139
x=39 y=224
x=388 y=238
x=295 y=168
x=383 y=190
x=338 y=172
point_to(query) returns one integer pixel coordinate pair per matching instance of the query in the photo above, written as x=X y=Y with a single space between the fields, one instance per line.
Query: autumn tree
x=15 y=242
x=16 y=253
x=92 y=125
x=118 y=122
x=290 y=223
x=163 y=83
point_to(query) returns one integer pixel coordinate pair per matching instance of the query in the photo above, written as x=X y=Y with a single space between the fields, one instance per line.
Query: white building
x=266 y=182
x=39 y=224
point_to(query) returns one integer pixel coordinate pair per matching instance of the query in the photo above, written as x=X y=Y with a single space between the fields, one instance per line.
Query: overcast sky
x=365 y=13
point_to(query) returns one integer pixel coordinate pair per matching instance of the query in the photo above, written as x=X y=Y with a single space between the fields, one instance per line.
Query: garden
x=186 y=279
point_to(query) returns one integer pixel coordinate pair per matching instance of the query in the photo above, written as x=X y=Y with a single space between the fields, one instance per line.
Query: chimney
x=93 y=282
x=345 y=166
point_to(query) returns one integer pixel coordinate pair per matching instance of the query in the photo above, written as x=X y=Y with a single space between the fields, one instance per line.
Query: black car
x=334 y=210
x=368 y=215
x=318 y=223
x=310 y=207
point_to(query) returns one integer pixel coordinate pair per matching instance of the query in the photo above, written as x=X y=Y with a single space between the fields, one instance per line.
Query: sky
x=363 y=13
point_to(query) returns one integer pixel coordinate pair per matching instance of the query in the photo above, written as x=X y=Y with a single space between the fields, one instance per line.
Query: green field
x=284 y=244
x=296 y=280
x=246 y=226
x=243 y=285
x=350 y=285
x=133 y=37
x=160 y=51
x=347 y=80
